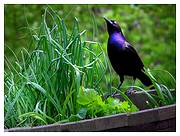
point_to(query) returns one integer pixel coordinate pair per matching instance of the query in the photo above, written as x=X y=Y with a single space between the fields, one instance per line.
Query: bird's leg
x=120 y=83
x=131 y=90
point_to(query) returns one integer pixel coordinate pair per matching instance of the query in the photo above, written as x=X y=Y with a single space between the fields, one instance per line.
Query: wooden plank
x=167 y=112
x=142 y=119
x=111 y=122
x=72 y=126
x=159 y=126
x=97 y=124
x=169 y=124
x=152 y=115
x=139 y=98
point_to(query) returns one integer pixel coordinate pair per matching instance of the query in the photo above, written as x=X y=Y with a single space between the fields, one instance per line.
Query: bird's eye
x=113 y=21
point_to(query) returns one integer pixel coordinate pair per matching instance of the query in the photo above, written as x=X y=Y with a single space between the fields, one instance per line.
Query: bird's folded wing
x=134 y=56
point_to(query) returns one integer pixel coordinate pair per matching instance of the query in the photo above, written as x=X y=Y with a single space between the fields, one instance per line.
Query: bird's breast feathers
x=118 y=42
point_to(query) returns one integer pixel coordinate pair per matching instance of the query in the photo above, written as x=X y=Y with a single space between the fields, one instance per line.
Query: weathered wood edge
x=140 y=98
x=107 y=122
x=152 y=115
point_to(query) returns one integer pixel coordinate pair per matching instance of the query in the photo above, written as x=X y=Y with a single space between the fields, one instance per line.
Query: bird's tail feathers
x=145 y=79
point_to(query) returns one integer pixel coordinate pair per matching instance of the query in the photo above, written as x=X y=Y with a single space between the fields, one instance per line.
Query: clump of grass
x=164 y=93
x=43 y=87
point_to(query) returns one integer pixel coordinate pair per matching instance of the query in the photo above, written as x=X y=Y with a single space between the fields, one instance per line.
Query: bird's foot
x=131 y=91
x=110 y=95
x=114 y=94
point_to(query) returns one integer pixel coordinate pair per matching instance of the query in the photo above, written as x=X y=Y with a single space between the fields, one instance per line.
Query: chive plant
x=164 y=93
x=43 y=86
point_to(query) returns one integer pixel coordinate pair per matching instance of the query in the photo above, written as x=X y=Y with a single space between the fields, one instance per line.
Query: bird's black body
x=123 y=56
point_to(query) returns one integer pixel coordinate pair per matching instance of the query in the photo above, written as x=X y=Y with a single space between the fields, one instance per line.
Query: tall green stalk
x=42 y=86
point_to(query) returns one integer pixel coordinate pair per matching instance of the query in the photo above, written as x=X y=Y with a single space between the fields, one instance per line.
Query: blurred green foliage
x=151 y=29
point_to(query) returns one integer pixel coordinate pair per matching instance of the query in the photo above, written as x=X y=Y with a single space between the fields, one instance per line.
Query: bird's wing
x=134 y=56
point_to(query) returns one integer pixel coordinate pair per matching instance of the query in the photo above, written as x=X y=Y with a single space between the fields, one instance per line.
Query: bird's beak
x=107 y=20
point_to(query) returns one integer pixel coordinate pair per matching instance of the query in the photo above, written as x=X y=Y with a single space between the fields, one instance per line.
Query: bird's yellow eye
x=113 y=21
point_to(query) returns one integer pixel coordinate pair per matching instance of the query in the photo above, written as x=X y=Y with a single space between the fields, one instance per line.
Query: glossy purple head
x=112 y=26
